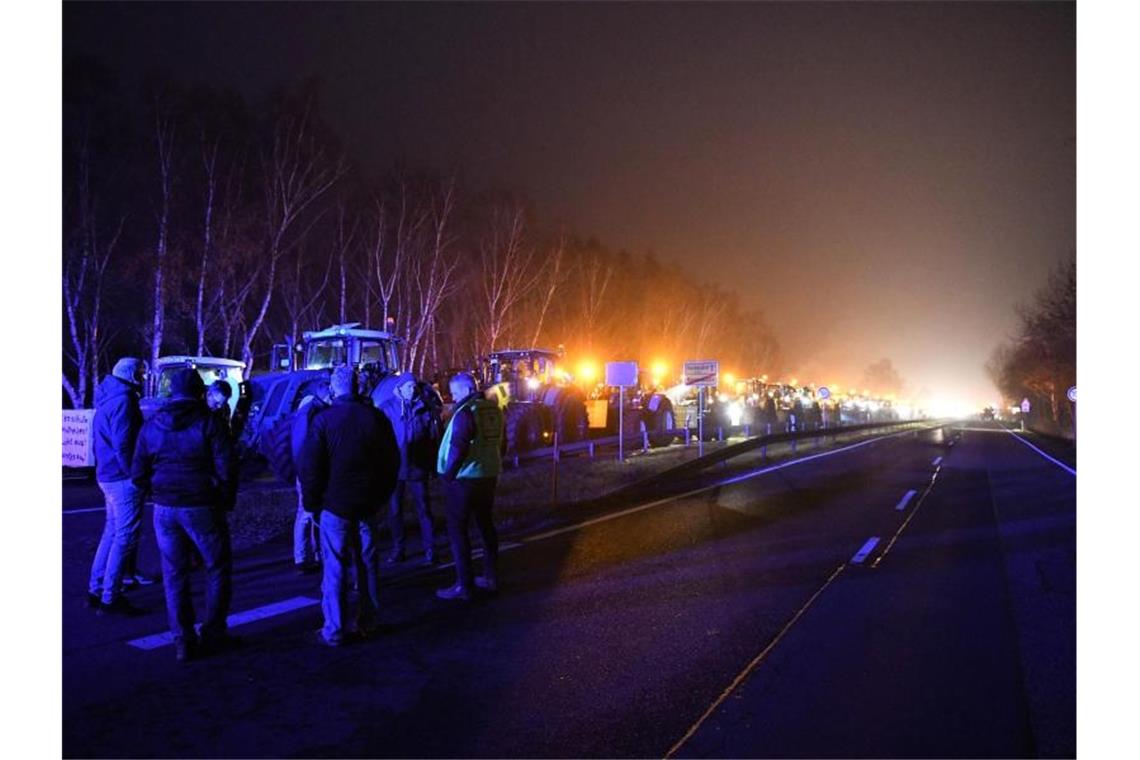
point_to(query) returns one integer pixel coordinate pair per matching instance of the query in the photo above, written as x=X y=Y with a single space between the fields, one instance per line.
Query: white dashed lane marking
x=868 y=547
x=905 y=500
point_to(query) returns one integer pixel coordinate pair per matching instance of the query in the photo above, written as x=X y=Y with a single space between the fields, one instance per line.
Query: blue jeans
x=419 y=491
x=306 y=546
x=179 y=530
x=120 y=540
x=344 y=543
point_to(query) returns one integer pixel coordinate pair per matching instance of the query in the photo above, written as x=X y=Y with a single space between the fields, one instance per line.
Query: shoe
x=454 y=592
x=320 y=634
x=308 y=568
x=120 y=607
x=430 y=558
x=219 y=644
x=138 y=579
x=185 y=650
x=94 y=601
x=489 y=585
x=394 y=558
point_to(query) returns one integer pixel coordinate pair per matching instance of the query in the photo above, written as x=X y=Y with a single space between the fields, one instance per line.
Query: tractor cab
x=521 y=376
x=349 y=344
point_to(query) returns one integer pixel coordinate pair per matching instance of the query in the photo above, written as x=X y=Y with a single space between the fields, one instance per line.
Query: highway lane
x=608 y=640
x=959 y=643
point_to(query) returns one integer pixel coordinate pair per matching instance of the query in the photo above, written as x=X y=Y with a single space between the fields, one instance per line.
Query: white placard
x=78 y=437
x=702 y=373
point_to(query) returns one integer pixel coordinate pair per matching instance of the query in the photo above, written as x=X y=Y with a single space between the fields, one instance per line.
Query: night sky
x=882 y=179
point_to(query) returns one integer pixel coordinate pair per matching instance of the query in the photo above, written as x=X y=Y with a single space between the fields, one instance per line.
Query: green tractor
x=302 y=371
x=537 y=399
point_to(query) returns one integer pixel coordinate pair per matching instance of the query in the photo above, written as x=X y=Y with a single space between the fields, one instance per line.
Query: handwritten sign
x=78 y=437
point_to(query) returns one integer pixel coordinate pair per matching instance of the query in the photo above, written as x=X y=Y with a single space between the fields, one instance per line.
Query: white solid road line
x=868 y=547
x=1062 y=465
x=702 y=489
x=81 y=511
x=937 y=461
x=905 y=500
x=241 y=618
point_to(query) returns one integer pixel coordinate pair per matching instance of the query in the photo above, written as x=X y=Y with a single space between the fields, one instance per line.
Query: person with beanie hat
x=185 y=459
x=116 y=427
x=414 y=412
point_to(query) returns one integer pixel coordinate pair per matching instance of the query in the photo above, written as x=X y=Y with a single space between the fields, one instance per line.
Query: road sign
x=823 y=392
x=1072 y=394
x=1025 y=406
x=701 y=373
x=621 y=373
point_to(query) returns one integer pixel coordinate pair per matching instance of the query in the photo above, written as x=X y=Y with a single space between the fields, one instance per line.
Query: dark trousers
x=471 y=498
x=179 y=531
x=419 y=493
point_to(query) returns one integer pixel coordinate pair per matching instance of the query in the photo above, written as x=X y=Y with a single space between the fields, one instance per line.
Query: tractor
x=274 y=396
x=536 y=398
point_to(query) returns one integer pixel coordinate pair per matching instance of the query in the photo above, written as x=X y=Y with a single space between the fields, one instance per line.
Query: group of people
x=353 y=461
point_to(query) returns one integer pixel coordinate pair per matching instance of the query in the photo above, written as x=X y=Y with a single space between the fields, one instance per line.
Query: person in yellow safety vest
x=470 y=460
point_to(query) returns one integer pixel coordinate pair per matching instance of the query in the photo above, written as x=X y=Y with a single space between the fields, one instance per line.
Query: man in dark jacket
x=415 y=419
x=348 y=468
x=116 y=428
x=470 y=460
x=185 y=459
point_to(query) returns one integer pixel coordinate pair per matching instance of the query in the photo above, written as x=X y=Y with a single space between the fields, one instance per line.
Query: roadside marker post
x=703 y=374
x=1025 y=407
x=621 y=374
x=1072 y=396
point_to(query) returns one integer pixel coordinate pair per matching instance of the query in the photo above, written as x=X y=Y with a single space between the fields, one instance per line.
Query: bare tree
x=164 y=147
x=553 y=272
x=432 y=273
x=508 y=271
x=85 y=260
x=209 y=150
x=296 y=173
x=596 y=269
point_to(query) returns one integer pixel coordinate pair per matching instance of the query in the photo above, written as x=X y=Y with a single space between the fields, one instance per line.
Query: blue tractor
x=300 y=371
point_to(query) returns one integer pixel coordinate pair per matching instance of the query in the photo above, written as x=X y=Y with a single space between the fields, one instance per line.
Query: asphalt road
x=737 y=621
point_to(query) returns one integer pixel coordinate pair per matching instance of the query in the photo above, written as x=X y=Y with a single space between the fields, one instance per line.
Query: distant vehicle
x=537 y=399
x=989 y=413
x=210 y=369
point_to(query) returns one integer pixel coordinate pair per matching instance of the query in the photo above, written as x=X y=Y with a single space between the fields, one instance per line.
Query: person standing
x=414 y=413
x=218 y=402
x=469 y=463
x=116 y=427
x=306 y=541
x=348 y=468
x=185 y=459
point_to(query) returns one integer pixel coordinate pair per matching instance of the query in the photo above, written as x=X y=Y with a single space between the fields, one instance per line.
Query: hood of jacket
x=112 y=389
x=180 y=413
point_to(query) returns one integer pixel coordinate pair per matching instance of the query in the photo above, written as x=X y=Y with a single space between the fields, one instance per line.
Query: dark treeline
x=197 y=223
x=1040 y=361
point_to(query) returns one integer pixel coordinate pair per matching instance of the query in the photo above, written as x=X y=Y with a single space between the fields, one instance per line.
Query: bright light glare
x=588 y=371
x=949 y=407
x=532 y=383
x=659 y=369
x=735 y=413
x=729 y=378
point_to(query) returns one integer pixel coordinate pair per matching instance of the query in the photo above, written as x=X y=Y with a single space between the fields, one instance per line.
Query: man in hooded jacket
x=116 y=427
x=185 y=459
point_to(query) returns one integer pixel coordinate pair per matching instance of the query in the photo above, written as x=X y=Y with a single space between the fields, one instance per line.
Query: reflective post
x=621 y=423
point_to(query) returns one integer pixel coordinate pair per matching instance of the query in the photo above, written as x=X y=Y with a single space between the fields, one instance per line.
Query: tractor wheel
x=570 y=418
x=277 y=448
x=523 y=427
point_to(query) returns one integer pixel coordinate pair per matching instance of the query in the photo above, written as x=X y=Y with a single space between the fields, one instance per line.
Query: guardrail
x=644 y=440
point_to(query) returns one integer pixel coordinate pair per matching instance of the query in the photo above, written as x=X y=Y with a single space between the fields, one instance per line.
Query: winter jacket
x=473 y=442
x=349 y=460
x=117 y=424
x=302 y=420
x=417 y=428
x=185 y=458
